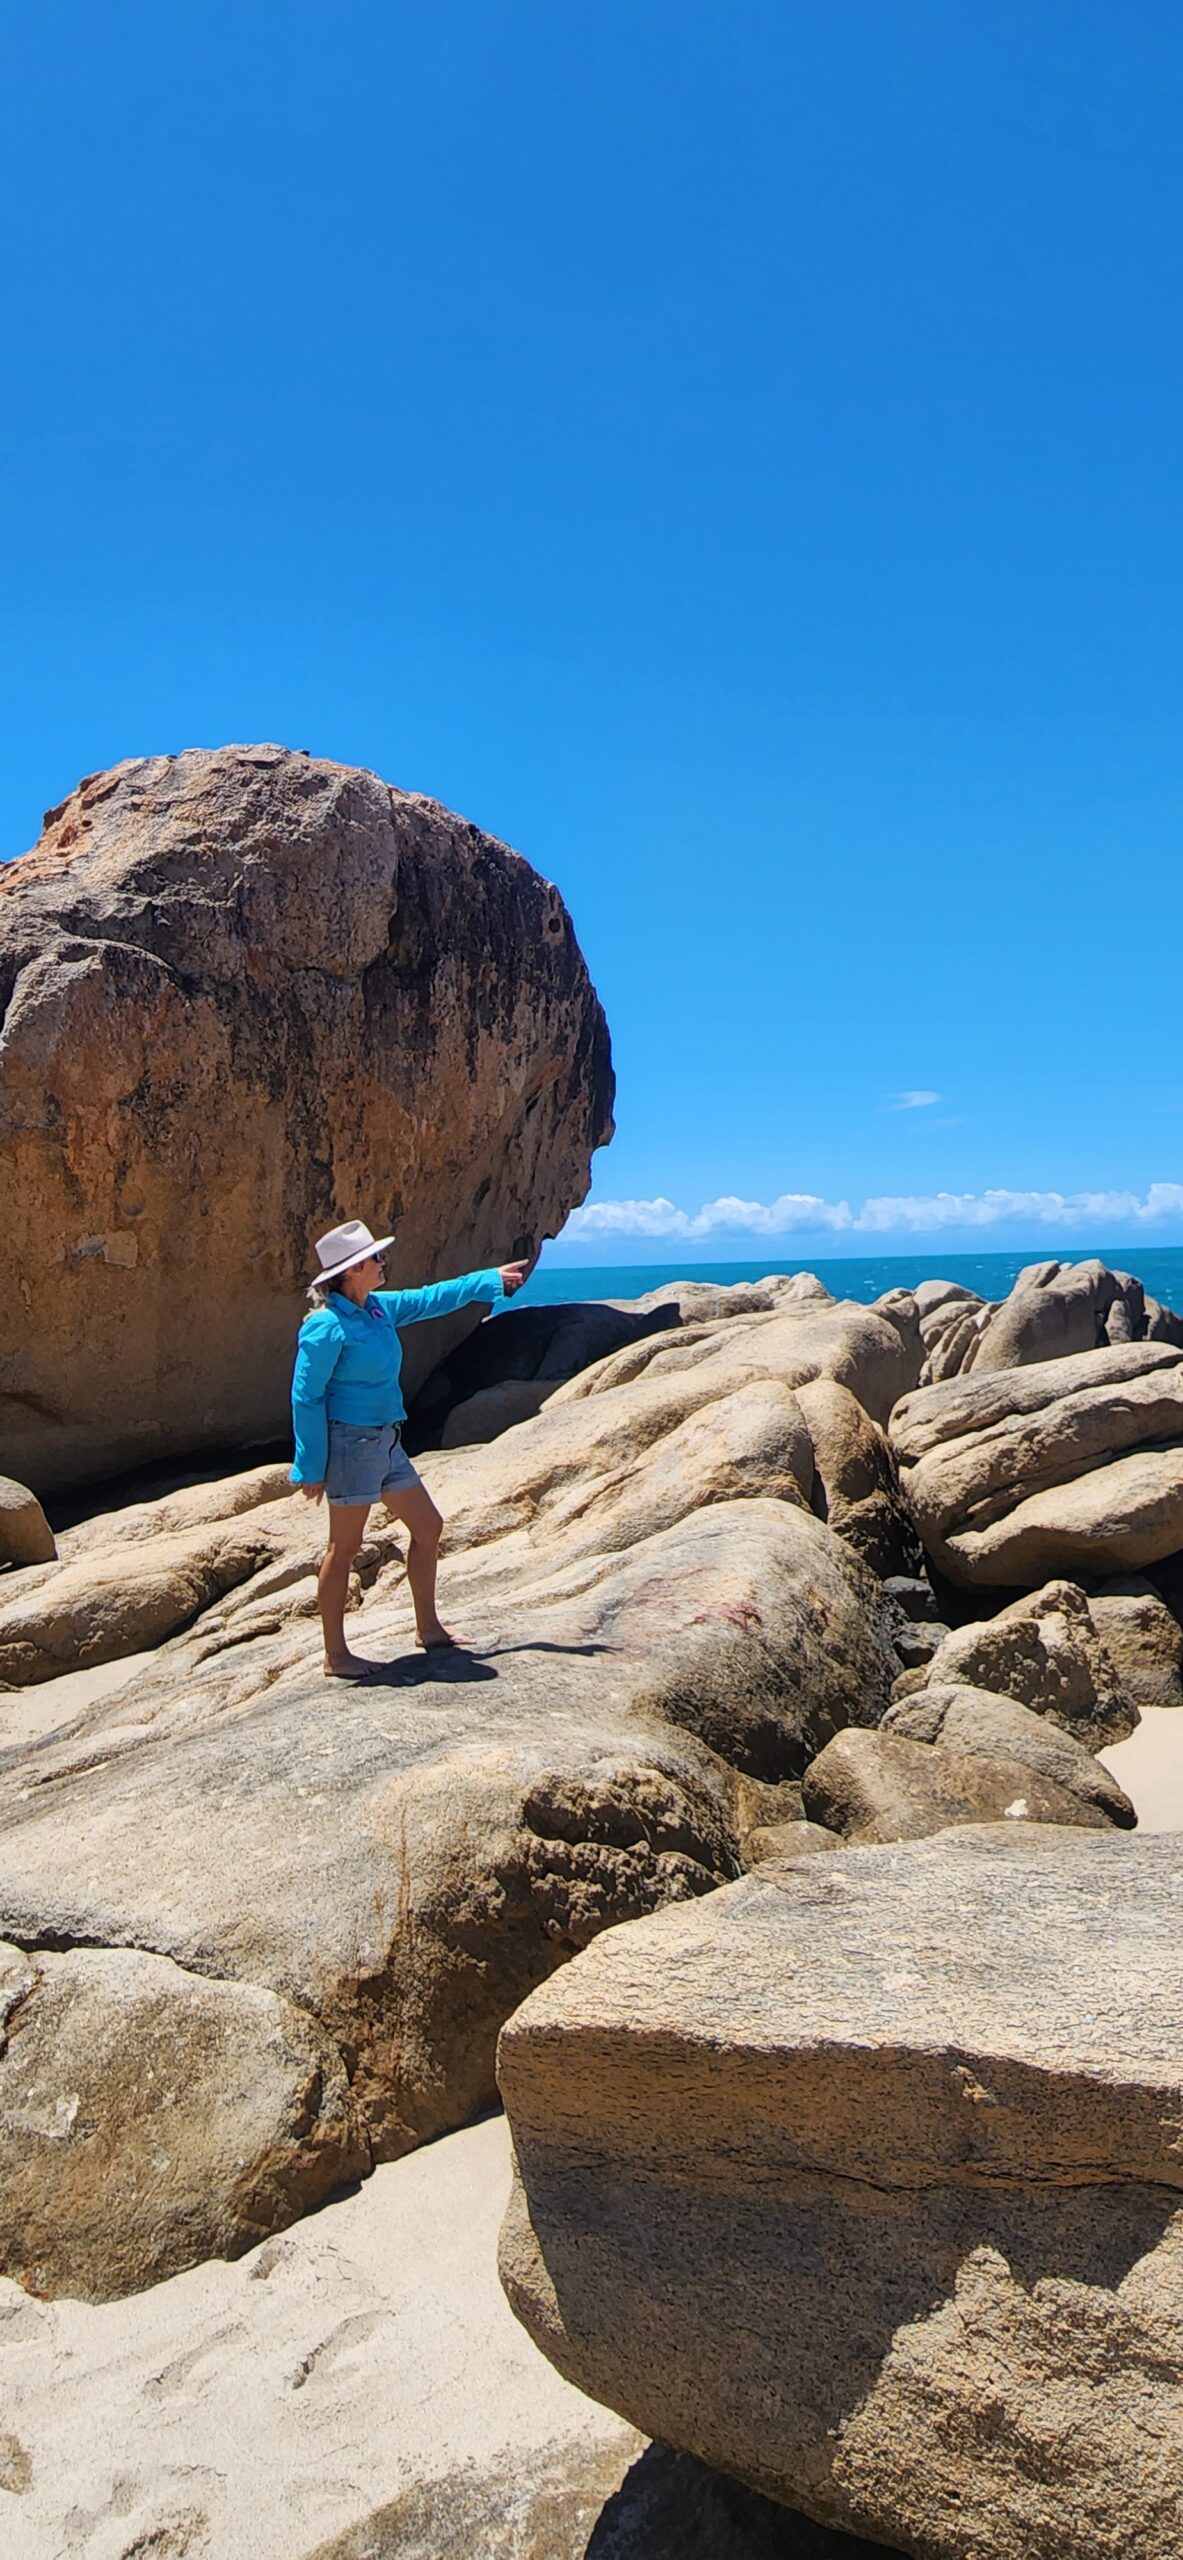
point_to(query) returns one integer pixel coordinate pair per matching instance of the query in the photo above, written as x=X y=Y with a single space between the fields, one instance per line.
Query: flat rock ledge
x=863 y=2179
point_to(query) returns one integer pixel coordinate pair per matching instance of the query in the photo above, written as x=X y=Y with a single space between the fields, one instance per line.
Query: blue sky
x=731 y=451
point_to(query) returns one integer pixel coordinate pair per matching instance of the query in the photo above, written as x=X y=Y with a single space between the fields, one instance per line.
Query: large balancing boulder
x=862 y=2180
x=242 y=994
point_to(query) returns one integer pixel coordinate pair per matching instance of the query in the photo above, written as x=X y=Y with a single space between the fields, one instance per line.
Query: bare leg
x=347 y=1522
x=418 y=1512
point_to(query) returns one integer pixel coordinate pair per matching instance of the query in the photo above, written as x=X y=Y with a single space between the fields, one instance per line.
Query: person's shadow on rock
x=492 y=1652
x=449 y=1666
x=452 y=1666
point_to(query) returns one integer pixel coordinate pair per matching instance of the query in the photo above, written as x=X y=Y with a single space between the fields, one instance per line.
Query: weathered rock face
x=122 y=1602
x=890 y=1786
x=963 y=1719
x=862 y=2179
x=1074 y=1465
x=244 y=994
x=855 y=1486
x=873 y=1351
x=665 y=1635
x=402 y=1862
x=1054 y=1310
x=1142 y=1637
x=1043 y=1650
x=223 y=2111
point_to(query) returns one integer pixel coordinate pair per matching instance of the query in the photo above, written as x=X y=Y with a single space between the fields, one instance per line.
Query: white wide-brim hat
x=345 y=1246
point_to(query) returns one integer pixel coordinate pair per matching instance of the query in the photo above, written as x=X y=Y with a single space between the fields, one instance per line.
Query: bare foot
x=347 y=1666
x=437 y=1640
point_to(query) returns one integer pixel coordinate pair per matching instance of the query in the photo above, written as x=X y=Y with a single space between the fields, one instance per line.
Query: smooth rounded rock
x=1073 y=1465
x=975 y=1720
x=150 y=2118
x=887 y=1786
x=25 y=1533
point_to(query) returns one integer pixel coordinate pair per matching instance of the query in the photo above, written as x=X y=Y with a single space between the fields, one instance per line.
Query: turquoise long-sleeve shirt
x=349 y=1360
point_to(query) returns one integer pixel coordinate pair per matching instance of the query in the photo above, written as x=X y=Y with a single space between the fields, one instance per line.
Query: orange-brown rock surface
x=244 y=993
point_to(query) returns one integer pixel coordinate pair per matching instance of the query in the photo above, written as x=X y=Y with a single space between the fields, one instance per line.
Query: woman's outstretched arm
x=446 y=1297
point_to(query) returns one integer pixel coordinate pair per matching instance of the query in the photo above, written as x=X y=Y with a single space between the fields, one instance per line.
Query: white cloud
x=913 y=1101
x=891 y=1214
x=730 y=1216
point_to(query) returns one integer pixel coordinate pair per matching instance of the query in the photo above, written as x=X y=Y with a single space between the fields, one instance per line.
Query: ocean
x=1158 y=1267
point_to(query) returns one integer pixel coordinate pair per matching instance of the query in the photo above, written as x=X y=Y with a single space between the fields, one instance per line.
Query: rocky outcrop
x=671 y=1633
x=862 y=2180
x=402 y=1862
x=1045 y=1651
x=890 y=1786
x=662 y=1635
x=798 y=1336
x=1073 y=1465
x=1054 y=1310
x=243 y=994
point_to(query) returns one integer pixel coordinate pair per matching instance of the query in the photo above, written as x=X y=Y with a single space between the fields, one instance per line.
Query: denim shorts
x=366 y=1461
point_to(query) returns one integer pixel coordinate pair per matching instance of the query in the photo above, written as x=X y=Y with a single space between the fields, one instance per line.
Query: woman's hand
x=512 y=1275
x=311 y=1492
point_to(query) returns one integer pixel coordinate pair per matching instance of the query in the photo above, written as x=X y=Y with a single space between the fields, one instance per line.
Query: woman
x=348 y=1411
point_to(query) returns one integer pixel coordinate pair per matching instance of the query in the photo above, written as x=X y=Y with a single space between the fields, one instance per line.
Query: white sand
x=248 y=2412
x=1150 y=1768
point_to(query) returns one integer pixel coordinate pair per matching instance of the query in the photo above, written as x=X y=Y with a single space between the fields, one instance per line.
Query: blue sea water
x=1158 y=1267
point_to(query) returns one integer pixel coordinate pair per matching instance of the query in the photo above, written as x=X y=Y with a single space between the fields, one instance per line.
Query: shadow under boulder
x=671 y=2507
x=531 y=1348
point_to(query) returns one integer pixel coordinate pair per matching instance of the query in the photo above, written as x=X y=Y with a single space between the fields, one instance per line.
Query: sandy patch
x=1150 y=1768
x=266 y=2407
